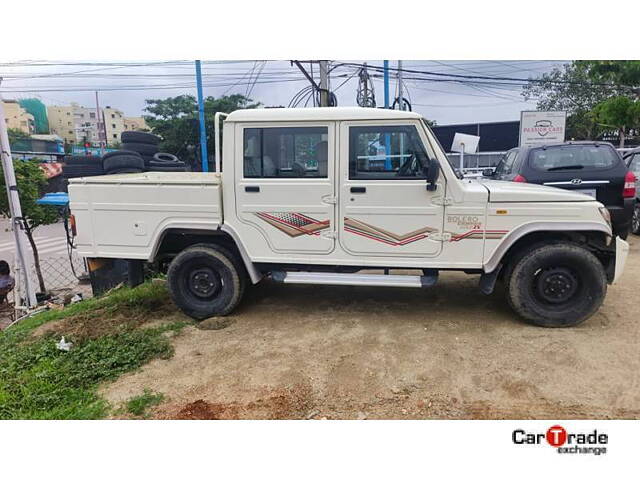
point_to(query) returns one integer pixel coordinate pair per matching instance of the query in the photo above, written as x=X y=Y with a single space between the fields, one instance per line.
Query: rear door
x=285 y=187
x=385 y=208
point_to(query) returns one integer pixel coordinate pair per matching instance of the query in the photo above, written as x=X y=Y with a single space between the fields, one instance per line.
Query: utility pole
x=386 y=84
x=15 y=208
x=324 y=83
x=203 y=131
x=102 y=132
x=400 y=95
x=387 y=137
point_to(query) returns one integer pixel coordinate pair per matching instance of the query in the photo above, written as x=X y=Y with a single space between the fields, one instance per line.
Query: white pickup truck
x=332 y=195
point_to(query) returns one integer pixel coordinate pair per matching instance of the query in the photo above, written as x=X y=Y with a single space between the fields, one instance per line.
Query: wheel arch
x=174 y=239
x=595 y=234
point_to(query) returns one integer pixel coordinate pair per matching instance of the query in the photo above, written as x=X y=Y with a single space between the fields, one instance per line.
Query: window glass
x=634 y=166
x=386 y=153
x=295 y=152
x=509 y=160
x=573 y=157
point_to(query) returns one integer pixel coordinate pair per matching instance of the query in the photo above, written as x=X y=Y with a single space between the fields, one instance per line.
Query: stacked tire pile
x=139 y=153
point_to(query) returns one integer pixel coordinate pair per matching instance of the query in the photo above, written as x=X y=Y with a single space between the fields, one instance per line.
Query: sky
x=126 y=85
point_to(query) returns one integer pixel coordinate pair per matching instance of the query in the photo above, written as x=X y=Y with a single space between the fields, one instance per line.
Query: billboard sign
x=540 y=128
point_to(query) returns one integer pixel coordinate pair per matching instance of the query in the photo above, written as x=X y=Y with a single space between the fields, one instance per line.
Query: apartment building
x=135 y=124
x=17 y=117
x=79 y=125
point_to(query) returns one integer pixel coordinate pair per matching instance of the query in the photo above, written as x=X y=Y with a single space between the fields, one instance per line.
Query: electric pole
x=102 y=132
x=324 y=83
x=15 y=209
x=400 y=95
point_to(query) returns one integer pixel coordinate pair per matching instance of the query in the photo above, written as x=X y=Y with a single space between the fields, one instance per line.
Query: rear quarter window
x=573 y=157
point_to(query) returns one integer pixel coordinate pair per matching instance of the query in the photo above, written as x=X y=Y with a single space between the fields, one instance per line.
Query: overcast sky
x=126 y=85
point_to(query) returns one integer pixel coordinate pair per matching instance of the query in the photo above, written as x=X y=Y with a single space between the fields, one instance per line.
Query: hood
x=502 y=191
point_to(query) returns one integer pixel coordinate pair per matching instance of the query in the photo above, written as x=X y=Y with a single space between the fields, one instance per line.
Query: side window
x=386 y=153
x=634 y=166
x=288 y=152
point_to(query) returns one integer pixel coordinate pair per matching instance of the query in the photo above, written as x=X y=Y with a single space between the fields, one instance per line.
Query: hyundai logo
x=576 y=181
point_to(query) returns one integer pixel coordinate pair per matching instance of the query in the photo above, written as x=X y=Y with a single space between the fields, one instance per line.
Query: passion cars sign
x=539 y=128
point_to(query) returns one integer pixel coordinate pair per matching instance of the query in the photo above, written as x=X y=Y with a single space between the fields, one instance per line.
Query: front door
x=285 y=190
x=385 y=207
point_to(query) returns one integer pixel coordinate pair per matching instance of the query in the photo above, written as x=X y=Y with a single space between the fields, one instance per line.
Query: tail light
x=629 y=190
x=72 y=224
x=520 y=179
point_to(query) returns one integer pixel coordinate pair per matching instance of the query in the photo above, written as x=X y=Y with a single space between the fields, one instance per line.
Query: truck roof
x=318 y=114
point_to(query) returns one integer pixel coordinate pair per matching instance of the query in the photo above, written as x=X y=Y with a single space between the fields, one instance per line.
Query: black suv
x=593 y=168
x=632 y=159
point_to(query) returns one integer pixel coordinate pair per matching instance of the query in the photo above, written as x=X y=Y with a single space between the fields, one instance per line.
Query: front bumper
x=622 y=251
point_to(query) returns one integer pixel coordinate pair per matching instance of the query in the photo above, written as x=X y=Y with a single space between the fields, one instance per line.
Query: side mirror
x=432 y=172
x=488 y=172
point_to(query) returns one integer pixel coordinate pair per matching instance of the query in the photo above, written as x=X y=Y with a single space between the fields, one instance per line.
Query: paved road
x=52 y=247
x=50 y=239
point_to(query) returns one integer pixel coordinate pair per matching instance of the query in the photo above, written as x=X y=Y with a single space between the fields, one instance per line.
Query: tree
x=621 y=113
x=625 y=74
x=571 y=89
x=175 y=119
x=30 y=179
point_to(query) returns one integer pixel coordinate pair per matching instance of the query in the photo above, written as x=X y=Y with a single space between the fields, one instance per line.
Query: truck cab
x=343 y=196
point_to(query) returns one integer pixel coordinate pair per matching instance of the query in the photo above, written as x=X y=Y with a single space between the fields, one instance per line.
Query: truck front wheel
x=205 y=281
x=556 y=285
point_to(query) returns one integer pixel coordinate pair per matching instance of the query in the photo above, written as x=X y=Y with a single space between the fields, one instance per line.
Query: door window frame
x=331 y=149
x=426 y=148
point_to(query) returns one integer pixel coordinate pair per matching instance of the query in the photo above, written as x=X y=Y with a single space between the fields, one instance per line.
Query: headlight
x=606 y=215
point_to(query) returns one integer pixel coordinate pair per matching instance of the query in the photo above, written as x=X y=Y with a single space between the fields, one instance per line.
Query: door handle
x=358 y=189
x=252 y=188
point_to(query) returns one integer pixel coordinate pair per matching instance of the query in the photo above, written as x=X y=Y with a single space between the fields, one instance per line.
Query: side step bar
x=372 y=280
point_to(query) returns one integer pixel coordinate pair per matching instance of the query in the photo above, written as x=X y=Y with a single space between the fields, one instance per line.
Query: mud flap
x=488 y=280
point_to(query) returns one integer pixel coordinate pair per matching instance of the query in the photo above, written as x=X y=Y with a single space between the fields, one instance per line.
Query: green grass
x=138 y=405
x=38 y=381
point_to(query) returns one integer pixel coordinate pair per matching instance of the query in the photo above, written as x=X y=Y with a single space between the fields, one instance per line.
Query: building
x=79 y=125
x=35 y=107
x=136 y=124
x=17 y=117
x=62 y=122
x=114 y=124
x=494 y=136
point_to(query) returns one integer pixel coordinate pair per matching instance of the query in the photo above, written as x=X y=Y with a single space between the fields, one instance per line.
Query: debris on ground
x=64 y=345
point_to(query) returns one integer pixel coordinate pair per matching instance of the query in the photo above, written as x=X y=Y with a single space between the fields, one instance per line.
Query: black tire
x=147 y=159
x=635 y=219
x=206 y=281
x=155 y=163
x=123 y=161
x=75 y=171
x=163 y=157
x=119 y=171
x=556 y=285
x=165 y=169
x=118 y=153
x=82 y=159
x=139 y=137
x=141 y=148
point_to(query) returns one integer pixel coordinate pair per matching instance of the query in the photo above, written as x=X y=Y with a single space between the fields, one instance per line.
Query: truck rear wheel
x=206 y=281
x=556 y=285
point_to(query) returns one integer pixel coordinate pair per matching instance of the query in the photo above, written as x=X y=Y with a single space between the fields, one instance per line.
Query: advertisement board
x=539 y=128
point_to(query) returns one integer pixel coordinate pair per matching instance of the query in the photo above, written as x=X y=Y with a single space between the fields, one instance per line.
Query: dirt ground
x=353 y=353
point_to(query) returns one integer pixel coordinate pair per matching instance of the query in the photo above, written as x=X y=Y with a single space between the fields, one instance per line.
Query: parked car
x=632 y=159
x=304 y=198
x=593 y=168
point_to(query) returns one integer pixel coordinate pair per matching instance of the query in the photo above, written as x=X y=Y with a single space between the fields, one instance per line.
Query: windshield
x=573 y=157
